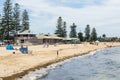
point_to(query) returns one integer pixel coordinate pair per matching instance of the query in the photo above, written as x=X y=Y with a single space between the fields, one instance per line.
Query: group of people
x=22 y=49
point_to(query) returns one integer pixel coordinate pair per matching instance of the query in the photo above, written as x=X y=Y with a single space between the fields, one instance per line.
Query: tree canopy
x=87 y=33
x=73 y=32
x=93 y=36
x=80 y=36
x=61 y=28
x=10 y=20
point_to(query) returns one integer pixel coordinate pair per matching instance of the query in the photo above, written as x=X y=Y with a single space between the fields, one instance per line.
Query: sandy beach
x=16 y=65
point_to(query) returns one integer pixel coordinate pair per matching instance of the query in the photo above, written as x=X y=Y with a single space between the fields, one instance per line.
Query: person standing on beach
x=46 y=44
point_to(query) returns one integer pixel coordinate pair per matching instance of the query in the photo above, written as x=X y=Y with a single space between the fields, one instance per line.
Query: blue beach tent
x=9 y=47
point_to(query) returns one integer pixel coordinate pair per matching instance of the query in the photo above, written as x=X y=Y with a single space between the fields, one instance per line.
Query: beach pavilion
x=47 y=38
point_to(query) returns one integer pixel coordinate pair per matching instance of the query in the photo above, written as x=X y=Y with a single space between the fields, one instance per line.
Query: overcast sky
x=104 y=15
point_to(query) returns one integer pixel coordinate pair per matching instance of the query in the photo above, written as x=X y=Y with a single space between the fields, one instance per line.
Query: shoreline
x=52 y=61
x=19 y=75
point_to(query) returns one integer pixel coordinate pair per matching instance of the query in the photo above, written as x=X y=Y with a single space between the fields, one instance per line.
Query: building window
x=22 y=41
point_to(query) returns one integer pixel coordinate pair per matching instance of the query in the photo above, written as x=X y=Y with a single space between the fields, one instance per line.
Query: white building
x=25 y=36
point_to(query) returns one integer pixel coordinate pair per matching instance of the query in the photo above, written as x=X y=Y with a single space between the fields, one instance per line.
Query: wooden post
x=57 y=53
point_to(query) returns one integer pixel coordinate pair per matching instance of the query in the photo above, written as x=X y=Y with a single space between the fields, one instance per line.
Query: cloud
x=103 y=14
x=83 y=2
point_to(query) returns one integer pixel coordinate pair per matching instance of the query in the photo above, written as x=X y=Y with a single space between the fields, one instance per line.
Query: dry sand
x=18 y=64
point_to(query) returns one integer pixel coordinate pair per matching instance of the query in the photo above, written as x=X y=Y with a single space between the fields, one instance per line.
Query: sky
x=104 y=15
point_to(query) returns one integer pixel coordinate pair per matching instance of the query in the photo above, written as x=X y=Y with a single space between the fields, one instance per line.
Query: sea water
x=99 y=65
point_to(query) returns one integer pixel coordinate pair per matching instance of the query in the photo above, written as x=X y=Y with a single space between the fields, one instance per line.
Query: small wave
x=38 y=74
x=43 y=72
x=52 y=66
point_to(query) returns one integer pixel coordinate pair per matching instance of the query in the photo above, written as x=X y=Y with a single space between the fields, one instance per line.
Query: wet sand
x=13 y=66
